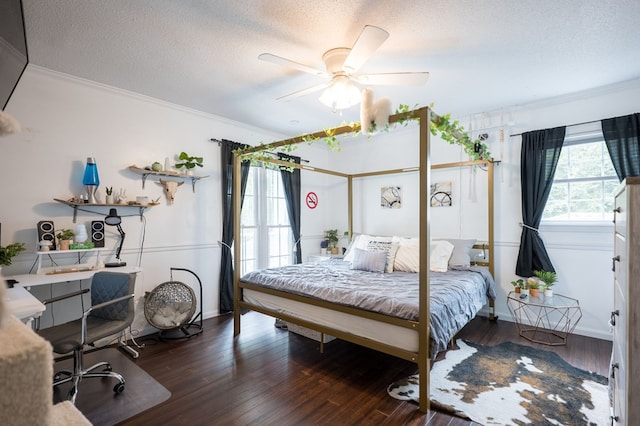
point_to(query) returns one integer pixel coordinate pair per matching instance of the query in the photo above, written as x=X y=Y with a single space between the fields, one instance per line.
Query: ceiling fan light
x=340 y=94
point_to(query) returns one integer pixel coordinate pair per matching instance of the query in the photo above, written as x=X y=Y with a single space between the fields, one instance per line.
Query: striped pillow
x=372 y=261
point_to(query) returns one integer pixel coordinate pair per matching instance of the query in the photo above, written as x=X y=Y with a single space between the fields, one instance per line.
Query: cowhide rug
x=511 y=384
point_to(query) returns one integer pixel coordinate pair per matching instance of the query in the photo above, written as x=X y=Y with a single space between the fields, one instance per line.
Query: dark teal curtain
x=291 y=183
x=621 y=137
x=226 y=258
x=538 y=162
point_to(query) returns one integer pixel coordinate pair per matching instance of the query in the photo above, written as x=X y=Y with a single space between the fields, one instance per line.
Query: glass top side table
x=546 y=320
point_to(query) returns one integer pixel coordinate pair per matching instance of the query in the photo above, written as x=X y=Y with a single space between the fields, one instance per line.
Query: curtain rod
x=302 y=160
x=568 y=125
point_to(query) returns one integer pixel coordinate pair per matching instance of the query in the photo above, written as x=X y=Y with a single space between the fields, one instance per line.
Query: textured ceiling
x=482 y=55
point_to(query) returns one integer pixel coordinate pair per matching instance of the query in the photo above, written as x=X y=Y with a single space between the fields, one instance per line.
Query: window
x=584 y=181
x=267 y=239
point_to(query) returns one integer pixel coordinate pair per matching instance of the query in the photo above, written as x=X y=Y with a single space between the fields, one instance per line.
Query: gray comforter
x=455 y=296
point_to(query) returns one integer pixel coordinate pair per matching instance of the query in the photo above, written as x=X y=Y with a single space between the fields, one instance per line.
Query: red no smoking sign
x=312 y=200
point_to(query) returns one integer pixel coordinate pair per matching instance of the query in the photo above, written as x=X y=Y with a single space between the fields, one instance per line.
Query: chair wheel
x=119 y=388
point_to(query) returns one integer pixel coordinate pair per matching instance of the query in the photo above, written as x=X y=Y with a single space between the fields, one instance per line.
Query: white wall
x=64 y=121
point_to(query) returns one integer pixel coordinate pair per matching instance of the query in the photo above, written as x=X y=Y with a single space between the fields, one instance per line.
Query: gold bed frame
x=425 y=115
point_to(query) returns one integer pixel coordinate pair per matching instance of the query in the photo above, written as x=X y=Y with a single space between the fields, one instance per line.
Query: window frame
x=261 y=257
x=580 y=138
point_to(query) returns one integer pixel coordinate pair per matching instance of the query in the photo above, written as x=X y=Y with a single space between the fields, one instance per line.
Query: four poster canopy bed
x=383 y=299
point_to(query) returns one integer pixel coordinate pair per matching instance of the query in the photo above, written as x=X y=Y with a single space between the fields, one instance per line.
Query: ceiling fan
x=342 y=65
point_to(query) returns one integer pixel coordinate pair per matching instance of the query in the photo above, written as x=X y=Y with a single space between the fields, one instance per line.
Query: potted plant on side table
x=534 y=287
x=65 y=237
x=518 y=285
x=331 y=235
x=549 y=279
x=324 y=244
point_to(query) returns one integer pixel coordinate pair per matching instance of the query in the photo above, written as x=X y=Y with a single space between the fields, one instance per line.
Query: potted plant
x=534 y=287
x=8 y=252
x=65 y=236
x=324 y=244
x=549 y=279
x=518 y=285
x=331 y=236
x=188 y=162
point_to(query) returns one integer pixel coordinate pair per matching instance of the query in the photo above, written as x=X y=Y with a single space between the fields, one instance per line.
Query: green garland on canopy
x=441 y=125
x=453 y=133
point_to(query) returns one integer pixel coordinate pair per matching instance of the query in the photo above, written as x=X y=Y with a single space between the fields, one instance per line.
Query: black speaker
x=46 y=231
x=97 y=233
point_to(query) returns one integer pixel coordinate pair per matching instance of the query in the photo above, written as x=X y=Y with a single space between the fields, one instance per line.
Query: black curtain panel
x=621 y=136
x=291 y=183
x=226 y=258
x=538 y=161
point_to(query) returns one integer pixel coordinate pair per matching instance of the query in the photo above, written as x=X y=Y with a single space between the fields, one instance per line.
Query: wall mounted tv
x=13 y=48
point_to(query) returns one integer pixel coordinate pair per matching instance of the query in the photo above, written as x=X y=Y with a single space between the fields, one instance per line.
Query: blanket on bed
x=455 y=296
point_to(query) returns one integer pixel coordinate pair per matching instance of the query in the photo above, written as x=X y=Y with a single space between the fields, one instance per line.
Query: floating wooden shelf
x=146 y=173
x=80 y=206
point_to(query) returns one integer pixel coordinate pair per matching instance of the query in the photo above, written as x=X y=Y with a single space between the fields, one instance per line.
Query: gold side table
x=546 y=320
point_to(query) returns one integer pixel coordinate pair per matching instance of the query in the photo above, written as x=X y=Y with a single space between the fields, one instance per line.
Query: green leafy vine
x=454 y=133
x=441 y=125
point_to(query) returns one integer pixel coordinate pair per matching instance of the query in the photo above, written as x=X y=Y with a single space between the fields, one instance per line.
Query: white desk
x=32 y=280
x=23 y=304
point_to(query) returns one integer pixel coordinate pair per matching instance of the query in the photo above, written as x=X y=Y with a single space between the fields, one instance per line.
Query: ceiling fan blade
x=268 y=57
x=369 y=40
x=302 y=92
x=394 y=79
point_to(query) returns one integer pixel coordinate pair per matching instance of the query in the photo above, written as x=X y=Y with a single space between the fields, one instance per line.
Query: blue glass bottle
x=91 y=180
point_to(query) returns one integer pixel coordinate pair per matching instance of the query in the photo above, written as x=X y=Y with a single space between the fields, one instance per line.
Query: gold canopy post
x=423 y=273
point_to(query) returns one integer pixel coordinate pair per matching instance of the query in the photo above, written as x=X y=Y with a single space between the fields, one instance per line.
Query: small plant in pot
x=534 y=287
x=331 y=236
x=65 y=237
x=324 y=244
x=549 y=279
x=518 y=285
x=188 y=162
x=8 y=252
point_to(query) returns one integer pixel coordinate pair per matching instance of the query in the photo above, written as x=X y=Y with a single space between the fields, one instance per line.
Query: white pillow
x=362 y=242
x=372 y=261
x=440 y=254
x=388 y=247
x=358 y=241
x=408 y=255
x=461 y=255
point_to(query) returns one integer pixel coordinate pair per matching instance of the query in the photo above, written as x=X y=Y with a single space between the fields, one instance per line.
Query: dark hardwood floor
x=269 y=376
